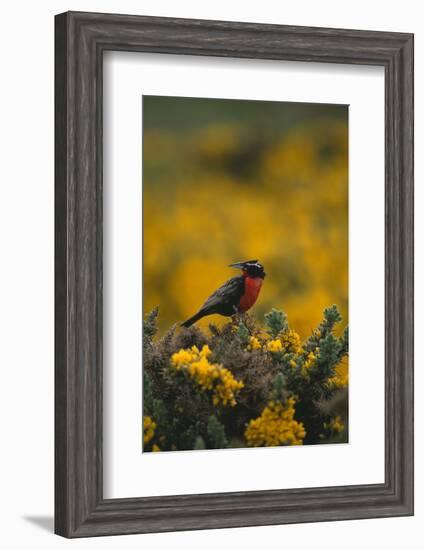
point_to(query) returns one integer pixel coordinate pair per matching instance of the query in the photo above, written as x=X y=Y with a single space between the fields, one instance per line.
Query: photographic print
x=245 y=274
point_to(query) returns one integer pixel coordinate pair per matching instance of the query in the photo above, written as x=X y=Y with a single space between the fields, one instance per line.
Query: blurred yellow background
x=226 y=181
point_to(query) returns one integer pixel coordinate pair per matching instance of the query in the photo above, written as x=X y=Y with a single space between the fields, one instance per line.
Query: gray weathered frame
x=80 y=40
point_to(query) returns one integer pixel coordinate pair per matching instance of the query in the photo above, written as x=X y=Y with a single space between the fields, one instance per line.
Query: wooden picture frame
x=81 y=39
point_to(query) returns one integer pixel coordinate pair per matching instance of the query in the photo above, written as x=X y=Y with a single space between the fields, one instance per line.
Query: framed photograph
x=234 y=274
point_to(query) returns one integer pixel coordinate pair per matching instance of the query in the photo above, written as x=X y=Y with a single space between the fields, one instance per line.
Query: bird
x=237 y=295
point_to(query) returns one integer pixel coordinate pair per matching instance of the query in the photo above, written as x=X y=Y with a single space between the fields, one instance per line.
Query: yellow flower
x=205 y=351
x=274 y=346
x=336 y=424
x=149 y=427
x=182 y=358
x=290 y=341
x=155 y=448
x=309 y=361
x=339 y=380
x=275 y=426
x=254 y=343
x=209 y=376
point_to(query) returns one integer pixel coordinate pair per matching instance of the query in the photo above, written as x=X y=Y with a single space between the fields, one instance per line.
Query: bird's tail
x=193 y=319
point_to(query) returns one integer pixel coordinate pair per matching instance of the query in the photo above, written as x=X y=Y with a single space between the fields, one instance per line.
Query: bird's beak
x=238 y=266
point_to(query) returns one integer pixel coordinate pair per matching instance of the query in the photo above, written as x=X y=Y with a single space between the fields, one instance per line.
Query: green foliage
x=149 y=325
x=242 y=332
x=279 y=388
x=276 y=322
x=331 y=317
x=216 y=433
x=202 y=390
x=199 y=443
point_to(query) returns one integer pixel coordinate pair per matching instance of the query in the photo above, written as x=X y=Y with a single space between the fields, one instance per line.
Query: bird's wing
x=230 y=292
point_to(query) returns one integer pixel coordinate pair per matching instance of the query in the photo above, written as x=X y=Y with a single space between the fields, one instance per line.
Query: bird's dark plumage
x=229 y=298
x=222 y=301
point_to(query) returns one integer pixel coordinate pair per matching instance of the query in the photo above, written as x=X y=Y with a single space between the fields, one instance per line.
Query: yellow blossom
x=309 y=361
x=275 y=426
x=336 y=424
x=155 y=448
x=149 y=427
x=339 y=380
x=274 y=346
x=181 y=358
x=205 y=351
x=209 y=376
x=254 y=343
x=290 y=341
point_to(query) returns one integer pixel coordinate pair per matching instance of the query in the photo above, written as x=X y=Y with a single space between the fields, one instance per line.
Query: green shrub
x=244 y=384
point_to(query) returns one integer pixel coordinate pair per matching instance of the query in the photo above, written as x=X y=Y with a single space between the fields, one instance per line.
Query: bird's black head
x=252 y=268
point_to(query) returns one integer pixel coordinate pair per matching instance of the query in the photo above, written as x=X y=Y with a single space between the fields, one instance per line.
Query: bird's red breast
x=252 y=287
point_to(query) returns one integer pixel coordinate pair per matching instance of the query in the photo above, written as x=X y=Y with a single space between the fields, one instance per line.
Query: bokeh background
x=232 y=180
